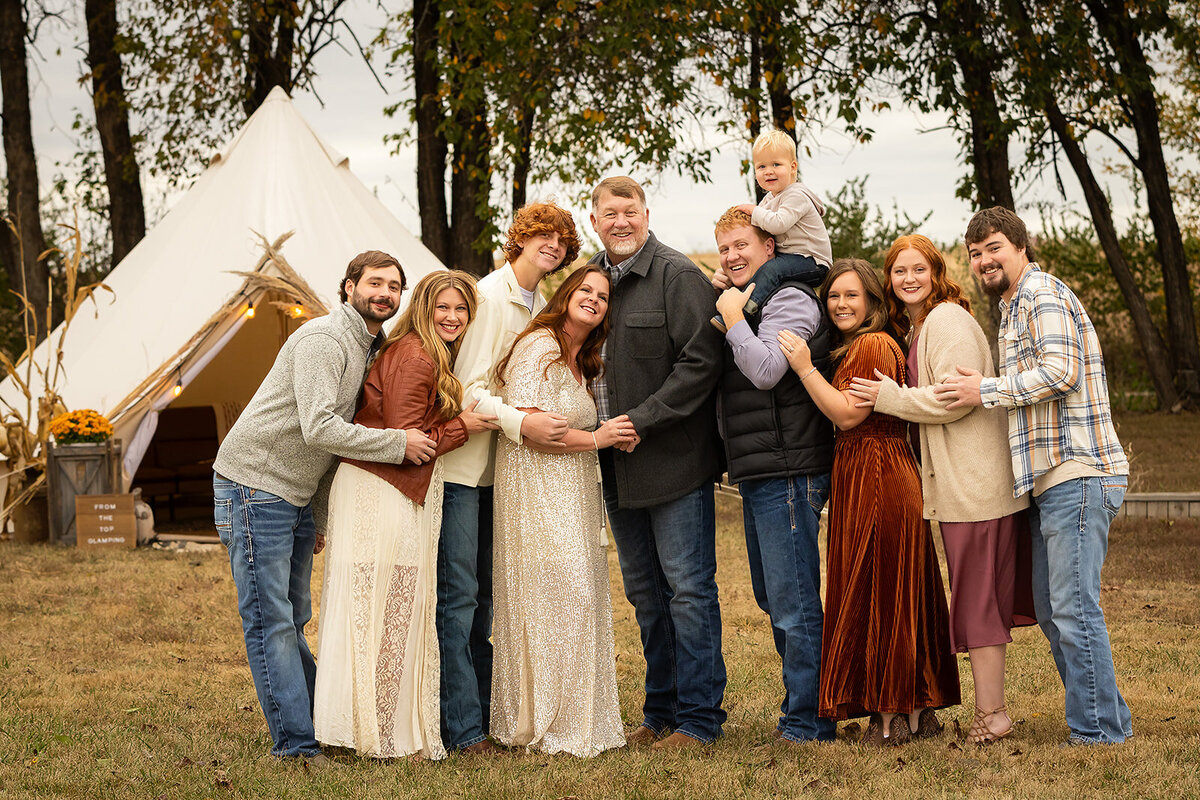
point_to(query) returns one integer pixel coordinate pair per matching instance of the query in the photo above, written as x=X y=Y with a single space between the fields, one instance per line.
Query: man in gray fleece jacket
x=272 y=477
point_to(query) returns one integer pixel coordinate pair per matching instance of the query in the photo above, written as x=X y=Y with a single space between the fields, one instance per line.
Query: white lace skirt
x=377 y=667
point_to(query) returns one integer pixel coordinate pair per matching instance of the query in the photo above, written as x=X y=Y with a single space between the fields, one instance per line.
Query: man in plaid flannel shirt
x=1065 y=450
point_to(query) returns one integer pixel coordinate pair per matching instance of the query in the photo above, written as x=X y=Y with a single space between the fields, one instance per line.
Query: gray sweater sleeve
x=316 y=389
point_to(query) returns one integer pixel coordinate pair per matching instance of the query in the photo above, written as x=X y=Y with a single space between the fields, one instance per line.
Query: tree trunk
x=431 y=142
x=521 y=158
x=470 y=181
x=961 y=25
x=783 y=113
x=271 y=35
x=1153 y=347
x=1136 y=83
x=755 y=103
x=127 y=214
x=26 y=274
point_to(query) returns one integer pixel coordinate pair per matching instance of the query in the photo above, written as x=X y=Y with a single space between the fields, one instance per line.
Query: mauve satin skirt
x=990 y=580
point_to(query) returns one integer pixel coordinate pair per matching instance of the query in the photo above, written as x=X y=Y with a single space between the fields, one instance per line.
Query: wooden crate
x=78 y=469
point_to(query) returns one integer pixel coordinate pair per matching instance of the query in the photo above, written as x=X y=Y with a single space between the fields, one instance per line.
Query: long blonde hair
x=418 y=317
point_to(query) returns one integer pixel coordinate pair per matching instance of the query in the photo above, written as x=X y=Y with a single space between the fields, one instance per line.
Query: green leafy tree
x=1090 y=73
x=507 y=94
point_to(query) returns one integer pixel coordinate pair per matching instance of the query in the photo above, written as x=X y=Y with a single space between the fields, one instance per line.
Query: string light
x=178 y=390
x=250 y=310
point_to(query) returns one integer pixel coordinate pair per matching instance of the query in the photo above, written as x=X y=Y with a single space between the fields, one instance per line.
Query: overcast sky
x=913 y=161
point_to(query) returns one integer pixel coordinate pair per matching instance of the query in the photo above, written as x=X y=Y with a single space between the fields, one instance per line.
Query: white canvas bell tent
x=178 y=317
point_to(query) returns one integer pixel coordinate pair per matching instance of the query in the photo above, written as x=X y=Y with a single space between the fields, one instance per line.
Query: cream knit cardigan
x=966 y=467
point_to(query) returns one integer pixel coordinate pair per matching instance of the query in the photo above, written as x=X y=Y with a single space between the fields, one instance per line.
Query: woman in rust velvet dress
x=885 y=651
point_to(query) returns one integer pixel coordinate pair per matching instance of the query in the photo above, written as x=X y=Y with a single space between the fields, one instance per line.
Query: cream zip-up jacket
x=966 y=467
x=501 y=315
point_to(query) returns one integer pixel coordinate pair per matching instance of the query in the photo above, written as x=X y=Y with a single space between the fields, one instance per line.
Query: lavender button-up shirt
x=759 y=357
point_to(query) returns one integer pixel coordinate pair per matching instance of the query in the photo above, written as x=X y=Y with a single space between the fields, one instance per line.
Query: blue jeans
x=464 y=613
x=782 y=517
x=1069 y=523
x=270 y=543
x=669 y=567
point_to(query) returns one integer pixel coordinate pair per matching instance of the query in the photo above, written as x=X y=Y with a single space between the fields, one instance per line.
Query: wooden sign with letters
x=105 y=520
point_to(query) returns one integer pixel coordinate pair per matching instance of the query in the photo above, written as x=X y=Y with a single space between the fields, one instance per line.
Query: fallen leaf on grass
x=1016 y=751
x=1168 y=719
x=953 y=746
x=221 y=779
x=816 y=784
x=185 y=762
x=132 y=710
x=900 y=762
x=177 y=657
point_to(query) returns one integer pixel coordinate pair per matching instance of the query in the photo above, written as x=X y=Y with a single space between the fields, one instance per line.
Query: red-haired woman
x=554 y=685
x=982 y=523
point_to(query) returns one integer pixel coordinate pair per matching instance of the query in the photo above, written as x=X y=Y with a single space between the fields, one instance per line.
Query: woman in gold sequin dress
x=377 y=674
x=554 y=685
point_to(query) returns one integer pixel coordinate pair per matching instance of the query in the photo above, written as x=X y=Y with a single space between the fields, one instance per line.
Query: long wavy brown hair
x=419 y=317
x=552 y=318
x=942 y=288
x=877 y=315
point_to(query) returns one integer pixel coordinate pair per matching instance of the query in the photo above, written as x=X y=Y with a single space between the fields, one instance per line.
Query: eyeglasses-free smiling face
x=847 y=303
x=545 y=251
x=742 y=251
x=998 y=264
x=376 y=293
x=450 y=314
x=623 y=224
x=589 y=302
x=912 y=278
x=774 y=171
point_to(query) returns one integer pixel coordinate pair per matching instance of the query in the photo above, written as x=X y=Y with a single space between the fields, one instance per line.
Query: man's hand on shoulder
x=544 y=428
x=961 y=389
x=419 y=448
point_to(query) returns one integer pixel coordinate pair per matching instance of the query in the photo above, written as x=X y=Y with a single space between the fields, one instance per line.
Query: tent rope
x=256 y=282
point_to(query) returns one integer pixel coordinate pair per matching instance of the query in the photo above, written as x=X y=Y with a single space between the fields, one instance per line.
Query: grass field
x=122 y=675
x=1163 y=450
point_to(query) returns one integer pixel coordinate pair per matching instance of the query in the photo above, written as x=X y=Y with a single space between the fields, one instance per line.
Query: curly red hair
x=538 y=218
x=942 y=288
